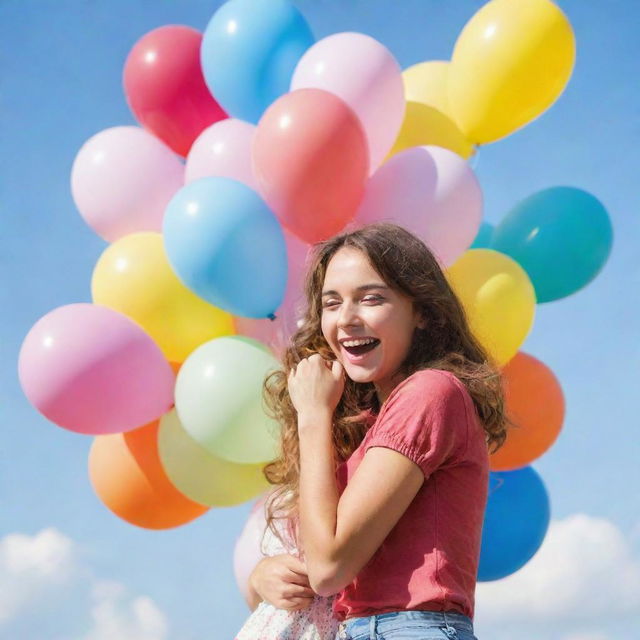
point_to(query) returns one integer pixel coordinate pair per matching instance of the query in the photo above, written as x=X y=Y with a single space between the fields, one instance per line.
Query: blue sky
x=70 y=570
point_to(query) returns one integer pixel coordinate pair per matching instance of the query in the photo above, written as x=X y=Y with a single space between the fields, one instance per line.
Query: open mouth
x=361 y=349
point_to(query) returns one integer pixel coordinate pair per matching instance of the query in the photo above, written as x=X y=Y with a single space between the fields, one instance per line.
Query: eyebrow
x=364 y=287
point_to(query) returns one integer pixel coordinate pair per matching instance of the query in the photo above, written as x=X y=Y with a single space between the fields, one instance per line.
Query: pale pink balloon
x=122 y=180
x=223 y=149
x=276 y=333
x=430 y=191
x=364 y=73
x=92 y=370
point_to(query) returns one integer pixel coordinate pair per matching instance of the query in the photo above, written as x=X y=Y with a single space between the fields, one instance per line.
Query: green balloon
x=200 y=475
x=218 y=398
x=560 y=236
x=483 y=237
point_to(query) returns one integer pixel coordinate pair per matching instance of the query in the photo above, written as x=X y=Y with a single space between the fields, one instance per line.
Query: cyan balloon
x=483 y=237
x=561 y=237
x=226 y=245
x=515 y=522
x=249 y=51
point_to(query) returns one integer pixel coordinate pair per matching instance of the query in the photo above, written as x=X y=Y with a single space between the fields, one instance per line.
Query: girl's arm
x=340 y=535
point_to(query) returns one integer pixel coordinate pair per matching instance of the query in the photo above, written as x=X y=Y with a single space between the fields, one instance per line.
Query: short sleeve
x=424 y=419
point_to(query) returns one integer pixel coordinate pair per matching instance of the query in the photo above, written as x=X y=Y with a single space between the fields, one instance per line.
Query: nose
x=348 y=315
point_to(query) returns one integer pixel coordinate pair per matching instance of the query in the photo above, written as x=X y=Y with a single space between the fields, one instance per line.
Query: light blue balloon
x=560 y=236
x=483 y=237
x=226 y=245
x=249 y=51
x=515 y=522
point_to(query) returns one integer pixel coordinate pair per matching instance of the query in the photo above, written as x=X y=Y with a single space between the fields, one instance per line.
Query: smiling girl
x=388 y=407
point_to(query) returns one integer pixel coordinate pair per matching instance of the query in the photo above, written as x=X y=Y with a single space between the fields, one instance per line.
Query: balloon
x=122 y=180
x=219 y=400
x=133 y=276
x=510 y=63
x=423 y=125
x=362 y=72
x=165 y=87
x=276 y=333
x=426 y=82
x=247 y=550
x=498 y=299
x=311 y=161
x=225 y=244
x=483 y=239
x=535 y=402
x=560 y=236
x=249 y=52
x=515 y=522
x=224 y=149
x=430 y=191
x=201 y=476
x=92 y=370
x=127 y=476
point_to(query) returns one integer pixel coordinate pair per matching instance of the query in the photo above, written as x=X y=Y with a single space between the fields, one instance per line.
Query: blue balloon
x=515 y=522
x=483 y=237
x=560 y=236
x=249 y=51
x=226 y=245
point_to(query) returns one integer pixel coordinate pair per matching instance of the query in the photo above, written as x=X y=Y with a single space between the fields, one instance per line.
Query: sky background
x=71 y=570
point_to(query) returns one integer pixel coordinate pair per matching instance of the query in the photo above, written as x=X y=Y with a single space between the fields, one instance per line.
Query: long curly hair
x=407 y=265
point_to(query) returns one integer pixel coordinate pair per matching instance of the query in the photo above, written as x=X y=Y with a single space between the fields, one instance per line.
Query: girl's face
x=356 y=305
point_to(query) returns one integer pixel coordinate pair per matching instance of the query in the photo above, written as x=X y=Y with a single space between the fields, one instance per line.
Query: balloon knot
x=271 y=317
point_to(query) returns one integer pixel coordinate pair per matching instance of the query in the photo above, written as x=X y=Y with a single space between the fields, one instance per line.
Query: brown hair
x=407 y=265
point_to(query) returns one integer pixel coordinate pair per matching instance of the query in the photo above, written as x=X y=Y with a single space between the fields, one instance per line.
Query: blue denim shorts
x=408 y=625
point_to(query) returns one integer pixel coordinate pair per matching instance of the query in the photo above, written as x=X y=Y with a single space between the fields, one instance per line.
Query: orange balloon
x=534 y=401
x=311 y=160
x=127 y=475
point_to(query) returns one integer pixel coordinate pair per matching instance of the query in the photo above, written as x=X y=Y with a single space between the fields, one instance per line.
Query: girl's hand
x=282 y=581
x=316 y=385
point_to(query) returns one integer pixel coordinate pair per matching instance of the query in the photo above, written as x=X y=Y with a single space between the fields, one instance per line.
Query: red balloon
x=311 y=160
x=165 y=87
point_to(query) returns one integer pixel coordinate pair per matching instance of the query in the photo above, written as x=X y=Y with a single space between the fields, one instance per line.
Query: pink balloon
x=430 y=191
x=122 y=179
x=92 y=370
x=311 y=161
x=223 y=149
x=276 y=333
x=364 y=73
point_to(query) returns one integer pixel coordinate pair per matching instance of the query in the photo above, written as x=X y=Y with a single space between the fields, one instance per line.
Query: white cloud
x=36 y=570
x=584 y=575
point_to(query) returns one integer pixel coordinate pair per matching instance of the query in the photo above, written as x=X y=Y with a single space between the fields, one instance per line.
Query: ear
x=422 y=322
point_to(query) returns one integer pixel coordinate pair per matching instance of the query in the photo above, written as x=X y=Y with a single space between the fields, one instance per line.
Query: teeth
x=358 y=343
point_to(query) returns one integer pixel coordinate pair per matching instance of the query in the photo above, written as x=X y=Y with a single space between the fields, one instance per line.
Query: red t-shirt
x=429 y=560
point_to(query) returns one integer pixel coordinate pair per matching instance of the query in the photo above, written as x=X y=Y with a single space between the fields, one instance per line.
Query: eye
x=372 y=298
x=329 y=303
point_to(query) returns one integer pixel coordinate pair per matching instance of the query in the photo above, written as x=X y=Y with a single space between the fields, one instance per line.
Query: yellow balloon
x=424 y=125
x=510 y=63
x=201 y=476
x=426 y=82
x=498 y=298
x=133 y=276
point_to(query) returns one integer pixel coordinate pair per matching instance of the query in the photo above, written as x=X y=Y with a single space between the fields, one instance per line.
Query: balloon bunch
x=288 y=141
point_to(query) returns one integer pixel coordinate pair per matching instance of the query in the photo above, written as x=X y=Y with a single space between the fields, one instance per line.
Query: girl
x=387 y=404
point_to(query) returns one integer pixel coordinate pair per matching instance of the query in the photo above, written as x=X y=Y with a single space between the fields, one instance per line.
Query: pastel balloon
x=223 y=149
x=561 y=237
x=165 y=87
x=498 y=298
x=249 y=52
x=219 y=400
x=484 y=236
x=423 y=125
x=535 y=402
x=276 y=332
x=247 y=549
x=92 y=370
x=510 y=63
x=134 y=277
x=426 y=82
x=311 y=160
x=201 y=476
x=121 y=181
x=226 y=245
x=126 y=474
x=364 y=73
x=515 y=522
x=430 y=191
